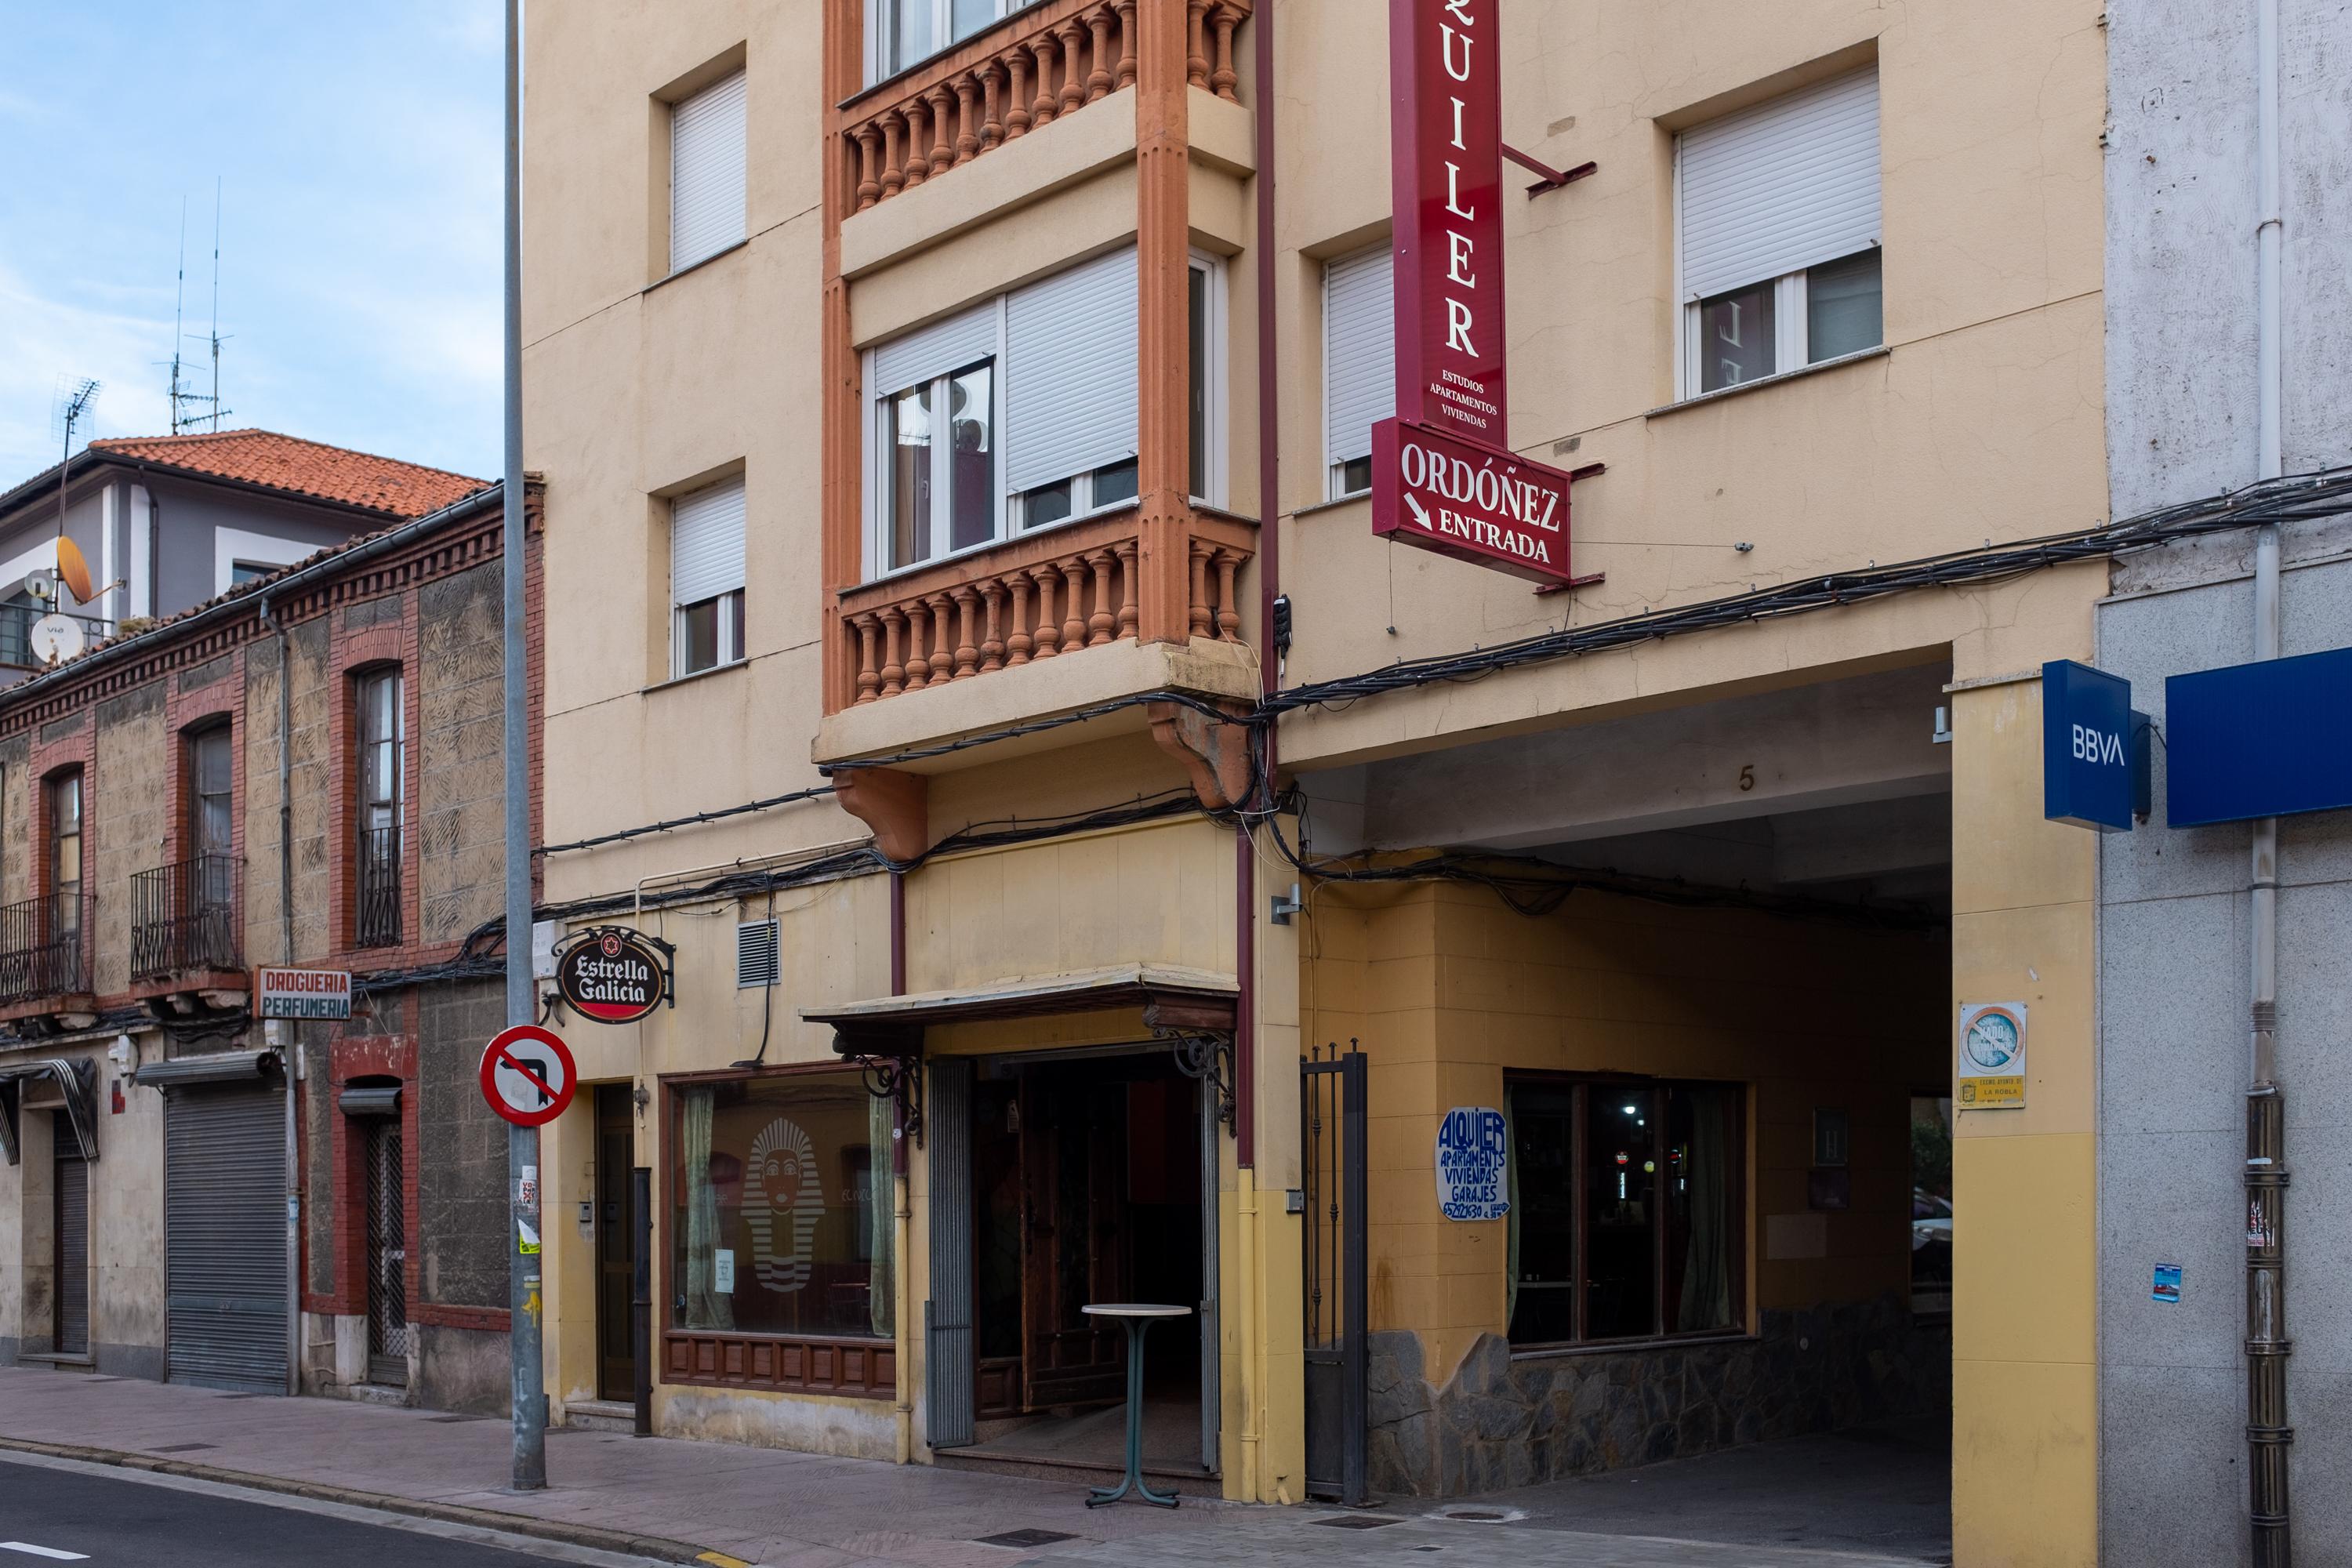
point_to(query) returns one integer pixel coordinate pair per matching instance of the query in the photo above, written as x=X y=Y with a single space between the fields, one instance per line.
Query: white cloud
x=47 y=340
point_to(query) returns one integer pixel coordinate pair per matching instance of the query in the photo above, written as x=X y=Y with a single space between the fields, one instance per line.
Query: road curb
x=620 y=1541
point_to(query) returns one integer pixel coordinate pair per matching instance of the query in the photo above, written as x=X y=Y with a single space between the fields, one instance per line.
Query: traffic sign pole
x=528 y=1378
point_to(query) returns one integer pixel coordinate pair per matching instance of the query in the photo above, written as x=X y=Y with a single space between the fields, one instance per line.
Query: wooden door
x=1072 y=1202
x=616 y=1243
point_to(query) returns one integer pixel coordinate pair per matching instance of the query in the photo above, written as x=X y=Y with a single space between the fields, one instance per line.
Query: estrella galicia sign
x=613 y=976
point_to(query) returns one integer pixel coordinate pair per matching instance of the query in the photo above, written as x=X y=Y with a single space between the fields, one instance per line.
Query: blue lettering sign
x=1474 y=1155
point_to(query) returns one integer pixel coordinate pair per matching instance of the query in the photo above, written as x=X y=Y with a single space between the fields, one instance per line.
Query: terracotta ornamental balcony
x=1043 y=595
x=1050 y=60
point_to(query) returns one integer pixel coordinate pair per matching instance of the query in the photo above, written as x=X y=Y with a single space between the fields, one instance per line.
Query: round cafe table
x=1139 y=1317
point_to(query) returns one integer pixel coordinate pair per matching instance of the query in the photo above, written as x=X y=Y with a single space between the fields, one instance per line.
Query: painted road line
x=29 y=1550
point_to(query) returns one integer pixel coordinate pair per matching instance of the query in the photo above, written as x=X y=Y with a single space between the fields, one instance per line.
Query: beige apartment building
x=1099 y=868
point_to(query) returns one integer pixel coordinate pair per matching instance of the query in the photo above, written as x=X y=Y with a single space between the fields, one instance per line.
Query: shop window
x=779 y=1207
x=1778 y=232
x=1626 y=1210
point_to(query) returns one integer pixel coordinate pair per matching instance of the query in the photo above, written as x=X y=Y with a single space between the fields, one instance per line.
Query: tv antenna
x=190 y=407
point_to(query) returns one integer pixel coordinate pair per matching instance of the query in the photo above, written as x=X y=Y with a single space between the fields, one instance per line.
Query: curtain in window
x=705 y=1308
x=1511 y=1216
x=1706 y=1277
x=882 y=1208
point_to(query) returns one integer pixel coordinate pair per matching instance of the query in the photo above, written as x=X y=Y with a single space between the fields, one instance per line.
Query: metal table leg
x=1133 y=1480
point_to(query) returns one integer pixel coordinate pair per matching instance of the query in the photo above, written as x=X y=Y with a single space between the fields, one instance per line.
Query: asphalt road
x=56 y=1515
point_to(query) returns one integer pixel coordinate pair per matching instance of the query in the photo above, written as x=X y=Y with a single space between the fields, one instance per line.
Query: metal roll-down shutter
x=225 y=1235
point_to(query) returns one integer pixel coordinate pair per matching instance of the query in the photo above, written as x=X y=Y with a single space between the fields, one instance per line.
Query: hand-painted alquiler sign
x=1444 y=476
x=613 y=976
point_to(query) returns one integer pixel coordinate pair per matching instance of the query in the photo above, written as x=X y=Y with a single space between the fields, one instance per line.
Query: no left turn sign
x=528 y=1075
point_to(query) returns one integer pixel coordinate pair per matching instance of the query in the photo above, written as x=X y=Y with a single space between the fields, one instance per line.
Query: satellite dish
x=40 y=584
x=73 y=571
x=55 y=638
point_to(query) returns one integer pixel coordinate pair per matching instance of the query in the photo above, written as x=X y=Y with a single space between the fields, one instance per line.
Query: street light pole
x=522 y=1142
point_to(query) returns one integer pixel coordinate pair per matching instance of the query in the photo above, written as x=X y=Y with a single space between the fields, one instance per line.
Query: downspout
x=292 y=1052
x=902 y=1183
x=1269 y=560
x=2268 y=1436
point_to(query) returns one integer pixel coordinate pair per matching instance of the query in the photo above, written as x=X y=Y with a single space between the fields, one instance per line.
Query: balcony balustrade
x=1049 y=61
x=45 y=948
x=17 y=634
x=377 y=911
x=185 y=919
x=1040 y=596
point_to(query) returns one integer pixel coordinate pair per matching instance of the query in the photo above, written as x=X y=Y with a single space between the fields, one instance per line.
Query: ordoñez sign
x=612 y=974
x=1444 y=476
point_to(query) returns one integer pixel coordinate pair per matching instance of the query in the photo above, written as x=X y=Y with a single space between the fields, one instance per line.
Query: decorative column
x=1163 y=263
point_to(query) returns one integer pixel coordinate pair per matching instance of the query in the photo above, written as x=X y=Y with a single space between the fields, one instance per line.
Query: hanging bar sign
x=1446 y=171
x=1493 y=508
x=611 y=975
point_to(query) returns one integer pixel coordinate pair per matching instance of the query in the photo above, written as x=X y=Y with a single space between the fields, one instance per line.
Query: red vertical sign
x=1446 y=118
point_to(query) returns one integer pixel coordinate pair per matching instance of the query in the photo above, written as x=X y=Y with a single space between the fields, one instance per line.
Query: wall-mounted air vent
x=755 y=954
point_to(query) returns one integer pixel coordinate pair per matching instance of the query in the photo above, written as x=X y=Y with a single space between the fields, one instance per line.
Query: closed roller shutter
x=948 y=1417
x=706 y=543
x=72 y=1177
x=1783 y=187
x=1070 y=373
x=225 y=1237
x=1359 y=351
x=706 y=173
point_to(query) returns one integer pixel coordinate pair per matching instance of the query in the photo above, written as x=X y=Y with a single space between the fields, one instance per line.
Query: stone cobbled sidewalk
x=686 y=1501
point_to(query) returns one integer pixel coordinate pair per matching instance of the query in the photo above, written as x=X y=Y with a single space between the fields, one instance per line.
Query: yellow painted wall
x=2024 y=1344
x=1447 y=988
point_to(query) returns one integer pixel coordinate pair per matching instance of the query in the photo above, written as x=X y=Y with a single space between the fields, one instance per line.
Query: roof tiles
x=301 y=468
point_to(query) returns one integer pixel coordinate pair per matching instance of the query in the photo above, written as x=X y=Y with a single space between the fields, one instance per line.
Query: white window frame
x=1792 y=323
x=1335 y=488
x=1008 y=520
x=729 y=649
x=1216 y=407
x=233 y=547
x=878 y=464
x=877 y=67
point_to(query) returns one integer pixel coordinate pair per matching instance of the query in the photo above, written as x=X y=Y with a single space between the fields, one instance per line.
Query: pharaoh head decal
x=783 y=1195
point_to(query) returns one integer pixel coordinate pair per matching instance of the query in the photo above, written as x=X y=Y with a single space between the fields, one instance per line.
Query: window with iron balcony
x=382 y=730
x=184 y=917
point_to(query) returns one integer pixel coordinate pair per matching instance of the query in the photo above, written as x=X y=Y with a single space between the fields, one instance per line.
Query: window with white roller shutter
x=1777 y=235
x=706 y=578
x=706 y=173
x=1358 y=362
x=1021 y=412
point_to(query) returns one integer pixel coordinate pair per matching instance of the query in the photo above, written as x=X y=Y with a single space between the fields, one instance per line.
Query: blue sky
x=359 y=151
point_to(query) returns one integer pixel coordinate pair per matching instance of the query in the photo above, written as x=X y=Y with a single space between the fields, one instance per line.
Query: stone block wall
x=460 y=758
x=1500 y=1422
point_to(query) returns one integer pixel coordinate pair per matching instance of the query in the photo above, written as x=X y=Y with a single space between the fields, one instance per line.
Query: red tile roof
x=301 y=468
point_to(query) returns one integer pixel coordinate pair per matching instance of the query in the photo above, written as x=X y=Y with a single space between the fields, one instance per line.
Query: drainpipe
x=903 y=1185
x=2268 y=1434
x=1251 y=1363
x=291 y=1053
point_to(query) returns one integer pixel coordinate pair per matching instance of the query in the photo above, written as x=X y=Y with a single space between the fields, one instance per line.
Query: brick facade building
x=305 y=770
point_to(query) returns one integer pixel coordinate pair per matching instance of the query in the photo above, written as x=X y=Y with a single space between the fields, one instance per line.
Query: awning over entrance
x=1173 y=999
x=77 y=1084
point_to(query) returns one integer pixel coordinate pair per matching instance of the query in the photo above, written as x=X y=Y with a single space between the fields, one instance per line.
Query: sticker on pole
x=528 y=1075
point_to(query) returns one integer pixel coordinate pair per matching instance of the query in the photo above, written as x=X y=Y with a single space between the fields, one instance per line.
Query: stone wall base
x=1504 y=1422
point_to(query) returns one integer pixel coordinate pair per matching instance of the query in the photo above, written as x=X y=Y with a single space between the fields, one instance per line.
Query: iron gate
x=387 y=1255
x=1331 y=1170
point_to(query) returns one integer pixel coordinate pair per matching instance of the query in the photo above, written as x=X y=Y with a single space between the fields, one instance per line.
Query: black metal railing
x=44 y=947
x=17 y=634
x=184 y=917
x=378 y=923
